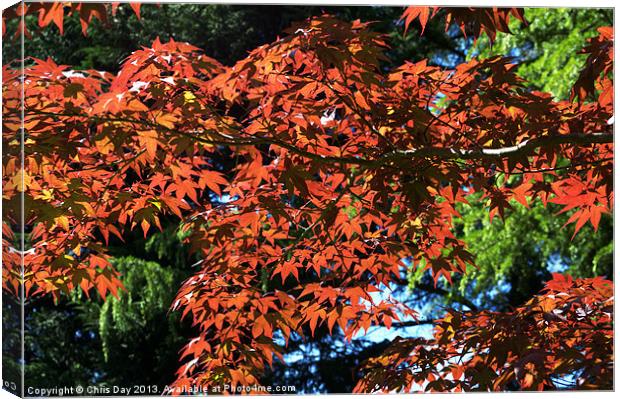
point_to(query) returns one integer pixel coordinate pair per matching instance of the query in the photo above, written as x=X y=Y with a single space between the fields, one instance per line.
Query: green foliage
x=168 y=246
x=515 y=256
x=147 y=294
x=132 y=339
x=140 y=338
x=547 y=48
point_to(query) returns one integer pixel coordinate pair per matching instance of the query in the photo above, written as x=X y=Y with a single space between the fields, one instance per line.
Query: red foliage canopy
x=337 y=172
x=564 y=333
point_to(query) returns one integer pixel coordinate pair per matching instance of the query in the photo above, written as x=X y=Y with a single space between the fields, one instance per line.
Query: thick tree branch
x=431 y=289
x=412 y=323
x=454 y=295
x=522 y=149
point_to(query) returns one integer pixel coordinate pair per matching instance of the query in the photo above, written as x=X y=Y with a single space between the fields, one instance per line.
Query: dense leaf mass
x=563 y=334
x=341 y=175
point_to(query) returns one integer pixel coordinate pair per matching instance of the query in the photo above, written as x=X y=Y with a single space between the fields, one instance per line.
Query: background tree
x=510 y=268
x=547 y=49
x=225 y=32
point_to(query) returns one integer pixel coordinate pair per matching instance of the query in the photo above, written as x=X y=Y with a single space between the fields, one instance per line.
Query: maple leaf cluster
x=306 y=177
x=56 y=11
x=471 y=21
x=89 y=172
x=561 y=337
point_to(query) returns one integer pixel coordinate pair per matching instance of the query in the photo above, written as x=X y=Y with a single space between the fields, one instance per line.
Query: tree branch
x=412 y=323
x=431 y=289
x=455 y=295
x=524 y=148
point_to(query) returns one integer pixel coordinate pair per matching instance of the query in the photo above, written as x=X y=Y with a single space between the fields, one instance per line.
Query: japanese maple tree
x=309 y=179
